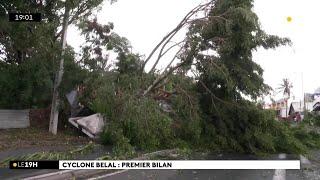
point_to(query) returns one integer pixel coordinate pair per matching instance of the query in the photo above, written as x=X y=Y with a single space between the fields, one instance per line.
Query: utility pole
x=53 y=126
x=304 y=95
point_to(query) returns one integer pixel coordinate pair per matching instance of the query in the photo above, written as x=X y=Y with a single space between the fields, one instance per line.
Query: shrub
x=248 y=129
x=312 y=119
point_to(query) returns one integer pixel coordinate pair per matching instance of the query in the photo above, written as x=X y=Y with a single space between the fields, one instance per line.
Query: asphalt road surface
x=198 y=175
x=310 y=171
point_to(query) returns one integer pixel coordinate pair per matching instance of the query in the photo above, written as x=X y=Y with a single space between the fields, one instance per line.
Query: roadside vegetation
x=200 y=102
x=71 y=154
x=12 y=139
x=312 y=119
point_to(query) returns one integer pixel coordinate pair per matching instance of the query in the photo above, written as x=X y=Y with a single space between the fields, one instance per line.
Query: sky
x=145 y=22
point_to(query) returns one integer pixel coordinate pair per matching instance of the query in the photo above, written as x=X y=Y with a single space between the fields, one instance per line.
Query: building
x=316 y=101
x=280 y=106
x=300 y=107
x=281 y=103
x=316 y=105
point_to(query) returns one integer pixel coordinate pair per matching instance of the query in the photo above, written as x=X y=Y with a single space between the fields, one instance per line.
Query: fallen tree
x=210 y=109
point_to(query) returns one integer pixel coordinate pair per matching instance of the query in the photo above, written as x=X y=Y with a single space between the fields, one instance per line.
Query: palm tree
x=285 y=88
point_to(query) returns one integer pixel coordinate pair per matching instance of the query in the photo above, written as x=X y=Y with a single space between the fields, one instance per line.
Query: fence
x=14 y=119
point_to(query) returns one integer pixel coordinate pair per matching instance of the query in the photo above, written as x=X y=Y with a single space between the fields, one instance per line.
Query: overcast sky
x=145 y=22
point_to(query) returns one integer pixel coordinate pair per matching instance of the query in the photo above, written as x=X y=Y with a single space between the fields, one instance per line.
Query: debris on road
x=91 y=125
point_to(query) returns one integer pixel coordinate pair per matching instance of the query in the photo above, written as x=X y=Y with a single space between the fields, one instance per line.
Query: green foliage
x=311 y=119
x=121 y=145
x=129 y=63
x=27 y=57
x=224 y=78
x=51 y=155
x=100 y=40
x=310 y=138
x=30 y=51
x=233 y=32
x=29 y=84
x=287 y=142
x=187 y=113
x=209 y=111
x=25 y=85
x=136 y=122
x=248 y=129
x=132 y=119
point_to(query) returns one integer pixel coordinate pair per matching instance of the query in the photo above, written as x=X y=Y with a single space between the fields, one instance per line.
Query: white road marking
x=280 y=174
x=282 y=156
x=304 y=160
x=48 y=175
x=108 y=175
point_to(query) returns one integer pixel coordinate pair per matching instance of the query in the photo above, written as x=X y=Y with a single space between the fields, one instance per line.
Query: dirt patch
x=37 y=137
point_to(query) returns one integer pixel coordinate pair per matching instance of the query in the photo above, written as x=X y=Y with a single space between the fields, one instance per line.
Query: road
x=213 y=175
x=310 y=171
x=194 y=175
x=6 y=173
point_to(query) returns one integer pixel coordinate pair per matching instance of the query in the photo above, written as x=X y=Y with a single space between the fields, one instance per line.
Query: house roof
x=316 y=106
x=299 y=106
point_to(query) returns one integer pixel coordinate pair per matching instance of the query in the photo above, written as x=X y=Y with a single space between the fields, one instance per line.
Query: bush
x=30 y=84
x=114 y=135
x=312 y=119
x=26 y=85
x=145 y=125
x=248 y=129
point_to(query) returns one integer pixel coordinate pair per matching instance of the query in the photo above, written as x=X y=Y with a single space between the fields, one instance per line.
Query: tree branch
x=162 y=77
x=171 y=34
x=81 y=9
x=175 y=56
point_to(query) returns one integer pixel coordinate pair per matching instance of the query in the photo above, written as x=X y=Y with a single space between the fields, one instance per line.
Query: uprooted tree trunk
x=53 y=126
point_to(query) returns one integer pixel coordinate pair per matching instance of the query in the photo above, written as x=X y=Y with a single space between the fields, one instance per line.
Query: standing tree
x=31 y=58
x=28 y=52
x=53 y=125
x=285 y=88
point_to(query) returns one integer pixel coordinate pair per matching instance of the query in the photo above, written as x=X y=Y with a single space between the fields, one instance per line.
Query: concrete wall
x=14 y=119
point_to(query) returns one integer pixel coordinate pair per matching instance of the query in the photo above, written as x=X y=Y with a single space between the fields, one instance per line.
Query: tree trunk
x=162 y=77
x=53 y=126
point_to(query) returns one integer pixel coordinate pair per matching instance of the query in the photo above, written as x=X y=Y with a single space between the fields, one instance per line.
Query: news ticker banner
x=176 y=164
